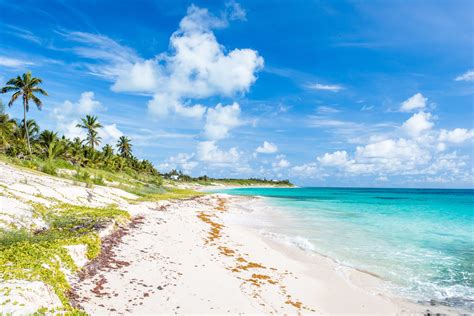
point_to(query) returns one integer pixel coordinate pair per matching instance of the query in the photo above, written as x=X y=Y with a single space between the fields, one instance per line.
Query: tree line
x=23 y=138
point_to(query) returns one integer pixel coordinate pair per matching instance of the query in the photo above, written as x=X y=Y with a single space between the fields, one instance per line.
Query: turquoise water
x=420 y=240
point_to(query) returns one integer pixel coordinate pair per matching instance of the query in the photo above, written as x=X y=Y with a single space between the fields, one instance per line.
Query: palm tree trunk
x=25 y=101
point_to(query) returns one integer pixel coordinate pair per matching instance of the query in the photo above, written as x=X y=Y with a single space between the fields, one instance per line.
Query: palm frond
x=36 y=89
x=8 y=89
x=14 y=97
x=37 y=101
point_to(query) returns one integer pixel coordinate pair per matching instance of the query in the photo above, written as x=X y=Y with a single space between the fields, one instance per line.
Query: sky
x=325 y=93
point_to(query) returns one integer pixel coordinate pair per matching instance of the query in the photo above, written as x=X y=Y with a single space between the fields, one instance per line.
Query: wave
x=295 y=241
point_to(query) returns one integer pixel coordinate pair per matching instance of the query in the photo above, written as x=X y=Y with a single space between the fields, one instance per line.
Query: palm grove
x=24 y=139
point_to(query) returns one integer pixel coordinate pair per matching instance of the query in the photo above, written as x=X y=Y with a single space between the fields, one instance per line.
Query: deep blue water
x=420 y=240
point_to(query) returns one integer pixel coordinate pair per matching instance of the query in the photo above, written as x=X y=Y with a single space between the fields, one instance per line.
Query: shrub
x=49 y=168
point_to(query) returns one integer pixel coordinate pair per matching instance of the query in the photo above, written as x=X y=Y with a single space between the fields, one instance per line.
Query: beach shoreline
x=243 y=271
x=194 y=255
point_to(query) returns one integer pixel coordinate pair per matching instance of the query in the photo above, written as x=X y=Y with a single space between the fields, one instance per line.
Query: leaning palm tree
x=91 y=124
x=25 y=86
x=124 y=146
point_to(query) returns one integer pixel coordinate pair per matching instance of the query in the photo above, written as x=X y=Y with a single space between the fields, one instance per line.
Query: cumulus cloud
x=208 y=151
x=337 y=158
x=467 y=76
x=195 y=67
x=281 y=163
x=305 y=170
x=220 y=120
x=181 y=161
x=457 y=135
x=415 y=102
x=418 y=123
x=110 y=134
x=423 y=155
x=267 y=148
x=326 y=87
x=68 y=115
x=87 y=104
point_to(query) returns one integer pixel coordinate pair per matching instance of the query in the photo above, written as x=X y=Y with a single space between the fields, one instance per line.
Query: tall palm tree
x=124 y=146
x=91 y=124
x=25 y=86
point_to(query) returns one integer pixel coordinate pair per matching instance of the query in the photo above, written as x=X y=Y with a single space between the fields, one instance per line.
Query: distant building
x=174 y=177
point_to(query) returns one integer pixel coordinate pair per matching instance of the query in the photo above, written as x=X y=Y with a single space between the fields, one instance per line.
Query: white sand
x=188 y=256
x=176 y=268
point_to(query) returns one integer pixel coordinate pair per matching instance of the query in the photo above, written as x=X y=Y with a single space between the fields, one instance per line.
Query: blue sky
x=327 y=93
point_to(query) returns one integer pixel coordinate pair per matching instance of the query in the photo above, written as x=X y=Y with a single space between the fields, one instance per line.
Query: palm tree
x=25 y=86
x=91 y=124
x=55 y=149
x=7 y=128
x=29 y=131
x=124 y=146
x=47 y=137
x=75 y=150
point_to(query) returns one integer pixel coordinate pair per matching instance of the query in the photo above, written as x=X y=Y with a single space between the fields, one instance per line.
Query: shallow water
x=420 y=240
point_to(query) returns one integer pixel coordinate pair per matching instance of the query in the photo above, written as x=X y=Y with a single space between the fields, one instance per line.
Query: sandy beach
x=188 y=256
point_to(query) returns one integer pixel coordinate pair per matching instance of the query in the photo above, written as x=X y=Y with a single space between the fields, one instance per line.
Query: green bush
x=49 y=168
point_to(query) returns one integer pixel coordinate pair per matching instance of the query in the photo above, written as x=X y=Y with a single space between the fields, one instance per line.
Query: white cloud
x=87 y=104
x=457 y=135
x=327 y=110
x=415 y=102
x=267 y=148
x=323 y=121
x=467 y=76
x=68 y=115
x=110 y=134
x=392 y=155
x=139 y=77
x=337 y=158
x=70 y=130
x=9 y=62
x=235 y=11
x=209 y=152
x=421 y=157
x=305 y=170
x=195 y=67
x=281 y=163
x=318 y=86
x=418 y=123
x=220 y=120
x=181 y=161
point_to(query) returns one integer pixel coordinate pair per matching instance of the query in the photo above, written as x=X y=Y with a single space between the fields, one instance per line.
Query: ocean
x=421 y=241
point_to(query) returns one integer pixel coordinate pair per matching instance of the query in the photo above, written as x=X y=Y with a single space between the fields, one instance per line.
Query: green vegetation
x=26 y=87
x=40 y=255
x=171 y=194
x=45 y=150
x=205 y=180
